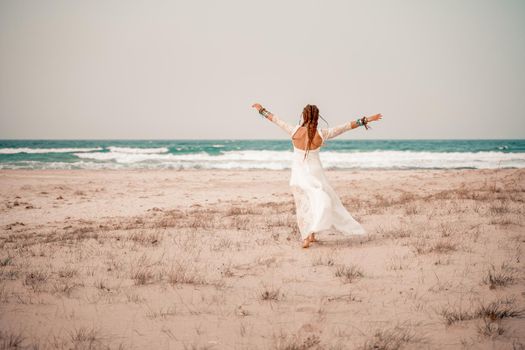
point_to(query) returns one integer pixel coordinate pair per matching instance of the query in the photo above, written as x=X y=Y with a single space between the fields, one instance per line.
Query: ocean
x=259 y=154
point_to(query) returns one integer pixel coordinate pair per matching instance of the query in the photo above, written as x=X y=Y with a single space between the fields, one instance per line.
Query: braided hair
x=310 y=119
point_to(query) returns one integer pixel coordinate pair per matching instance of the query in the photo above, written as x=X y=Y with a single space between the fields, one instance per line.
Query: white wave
x=429 y=160
x=133 y=150
x=201 y=157
x=60 y=165
x=282 y=160
x=47 y=150
x=125 y=158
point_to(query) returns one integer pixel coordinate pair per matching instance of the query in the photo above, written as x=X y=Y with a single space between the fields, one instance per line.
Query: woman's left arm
x=273 y=118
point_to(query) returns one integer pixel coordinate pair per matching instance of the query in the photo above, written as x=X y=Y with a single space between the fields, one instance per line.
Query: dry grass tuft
x=501 y=276
x=394 y=233
x=9 y=274
x=201 y=219
x=182 y=272
x=10 y=340
x=278 y=220
x=505 y=220
x=411 y=209
x=392 y=338
x=271 y=294
x=445 y=230
x=67 y=272
x=495 y=310
x=102 y=285
x=323 y=260
x=499 y=208
x=422 y=245
x=65 y=288
x=517 y=345
x=36 y=280
x=6 y=261
x=84 y=338
x=146 y=238
x=348 y=273
x=397 y=263
x=142 y=272
x=406 y=197
x=240 y=222
x=4 y=294
x=285 y=342
x=198 y=347
x=499 y=309
x=443 y=246
x=82 y=233
x=240 y=211
x=227 y=270
x=382 y=202
x=135 y=298
x=490 y=329
x=142 y=275
x=223 y=244
x=453 y=315
x=161 y=312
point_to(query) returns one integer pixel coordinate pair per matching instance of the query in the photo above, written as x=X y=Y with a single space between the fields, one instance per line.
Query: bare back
x=300 y=139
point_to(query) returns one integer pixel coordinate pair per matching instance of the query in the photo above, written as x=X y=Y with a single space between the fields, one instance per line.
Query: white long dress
x=317 y=205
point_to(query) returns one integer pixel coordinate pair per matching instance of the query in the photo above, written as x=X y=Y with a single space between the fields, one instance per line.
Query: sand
x=201 y=259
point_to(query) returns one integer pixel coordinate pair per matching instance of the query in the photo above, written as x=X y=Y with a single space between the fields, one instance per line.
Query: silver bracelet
x=358 y=122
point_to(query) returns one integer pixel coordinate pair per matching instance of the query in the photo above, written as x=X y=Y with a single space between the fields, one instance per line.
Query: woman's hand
x=374 y=117
x=257 y=106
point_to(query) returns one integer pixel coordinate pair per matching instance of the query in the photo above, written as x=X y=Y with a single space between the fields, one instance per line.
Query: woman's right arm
x=330 y=133
x=276 y=120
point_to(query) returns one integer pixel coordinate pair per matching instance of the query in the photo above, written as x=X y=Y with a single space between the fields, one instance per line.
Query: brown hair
x=310 y=118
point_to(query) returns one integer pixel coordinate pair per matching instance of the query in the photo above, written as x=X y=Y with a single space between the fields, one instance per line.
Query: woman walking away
x=317 y=206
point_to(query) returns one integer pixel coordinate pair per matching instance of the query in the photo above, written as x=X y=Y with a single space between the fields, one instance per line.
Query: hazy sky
x=192 y=69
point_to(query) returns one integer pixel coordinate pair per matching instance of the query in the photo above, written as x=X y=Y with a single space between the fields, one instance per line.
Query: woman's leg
x=312 y=237
x=302 y=207
x=306 y=242
x=309 y=240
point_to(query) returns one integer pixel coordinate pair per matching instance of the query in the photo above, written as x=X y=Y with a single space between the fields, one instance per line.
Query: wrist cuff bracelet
x=364 y=121
x=264 y=112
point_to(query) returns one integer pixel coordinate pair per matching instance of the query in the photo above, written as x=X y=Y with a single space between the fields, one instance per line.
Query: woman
x=317 y=206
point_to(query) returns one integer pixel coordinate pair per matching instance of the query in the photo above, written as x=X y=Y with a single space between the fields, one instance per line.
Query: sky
x=105 y=69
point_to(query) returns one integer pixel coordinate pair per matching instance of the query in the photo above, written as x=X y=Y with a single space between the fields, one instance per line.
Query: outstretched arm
x=329 y=133
x=275 y=119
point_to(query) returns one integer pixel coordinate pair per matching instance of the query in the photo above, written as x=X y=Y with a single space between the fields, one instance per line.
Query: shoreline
x=333 y=169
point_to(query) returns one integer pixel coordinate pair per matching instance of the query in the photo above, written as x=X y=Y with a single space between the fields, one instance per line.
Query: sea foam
x=135 y=150
x=47 y=150
x=250 y=159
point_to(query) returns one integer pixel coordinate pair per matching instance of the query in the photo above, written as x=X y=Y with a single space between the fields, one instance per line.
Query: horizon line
x=255 y=139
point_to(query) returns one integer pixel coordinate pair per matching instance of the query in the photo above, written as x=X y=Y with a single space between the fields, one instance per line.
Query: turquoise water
x=258 y=154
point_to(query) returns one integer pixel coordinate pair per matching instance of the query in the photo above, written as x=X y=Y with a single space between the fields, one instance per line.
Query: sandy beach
x=211 y=259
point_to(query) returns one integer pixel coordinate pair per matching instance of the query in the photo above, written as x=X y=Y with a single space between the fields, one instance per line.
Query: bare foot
x=306 y=243
x=312 y=238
